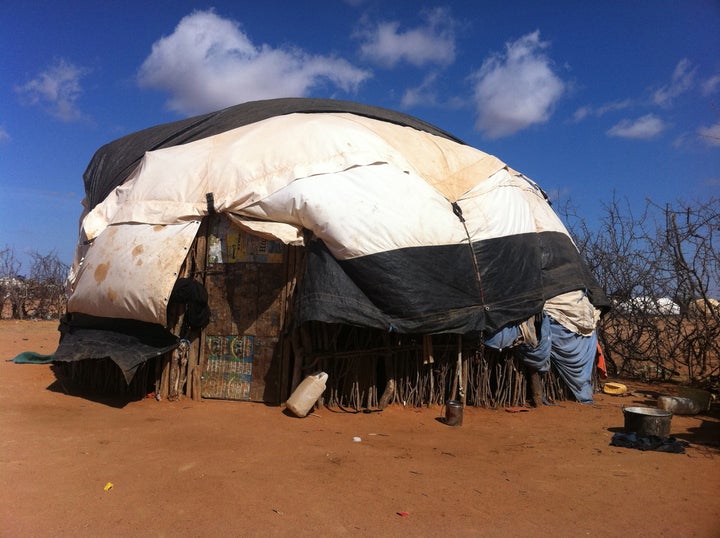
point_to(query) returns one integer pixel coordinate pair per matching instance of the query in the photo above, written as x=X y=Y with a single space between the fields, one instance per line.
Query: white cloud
x=711 y=85
x=431 y=43
x=516 y=89
x=208 y=63
x=586 y=111
x=582 y=113
x=4 y=135
x=57 y=89
x=643 y=128
x=682 y=81
x=710 y=135
x=424 y=94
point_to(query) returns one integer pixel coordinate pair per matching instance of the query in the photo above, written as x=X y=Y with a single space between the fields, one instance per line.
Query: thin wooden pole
x=464 y=377
x=456 y=378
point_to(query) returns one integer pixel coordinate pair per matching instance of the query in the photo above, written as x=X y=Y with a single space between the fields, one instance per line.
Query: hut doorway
x=241 y=348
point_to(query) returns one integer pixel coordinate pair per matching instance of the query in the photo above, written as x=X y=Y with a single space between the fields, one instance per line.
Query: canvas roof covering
x=411 y=230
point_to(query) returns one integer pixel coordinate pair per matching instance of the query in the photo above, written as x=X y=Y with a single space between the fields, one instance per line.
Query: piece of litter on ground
x=356 y=439
x=379 y=434
x=516 y=409
x=277 y=511
x=314 y=415
x=108 y=486
x=402 y=514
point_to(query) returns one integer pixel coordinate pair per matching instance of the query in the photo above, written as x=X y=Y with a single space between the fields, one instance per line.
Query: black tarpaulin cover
x=128 y=343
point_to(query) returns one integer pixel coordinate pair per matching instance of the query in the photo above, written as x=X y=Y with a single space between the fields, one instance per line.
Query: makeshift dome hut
x=231 y=254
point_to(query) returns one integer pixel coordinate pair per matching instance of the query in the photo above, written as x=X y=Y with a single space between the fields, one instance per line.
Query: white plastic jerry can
x=678 y=406
x=306 y=394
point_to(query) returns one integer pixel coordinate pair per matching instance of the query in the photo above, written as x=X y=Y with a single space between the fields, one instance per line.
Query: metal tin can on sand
x=453 y=413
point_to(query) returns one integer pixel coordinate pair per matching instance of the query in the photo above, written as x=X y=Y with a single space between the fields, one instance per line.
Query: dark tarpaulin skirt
x=128 y=343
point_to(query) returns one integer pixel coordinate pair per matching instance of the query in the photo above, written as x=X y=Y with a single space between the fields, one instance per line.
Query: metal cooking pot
x=646 y=421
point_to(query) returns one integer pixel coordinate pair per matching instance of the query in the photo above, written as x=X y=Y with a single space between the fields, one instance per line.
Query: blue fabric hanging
x=572 y=355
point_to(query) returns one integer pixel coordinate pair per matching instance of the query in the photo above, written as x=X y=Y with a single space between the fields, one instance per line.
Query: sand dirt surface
x=216 y=468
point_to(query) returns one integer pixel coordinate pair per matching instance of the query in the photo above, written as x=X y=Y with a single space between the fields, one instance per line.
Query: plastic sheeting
x=113 y=163
x=129 y=271
x=128 y=343
x=412 y=229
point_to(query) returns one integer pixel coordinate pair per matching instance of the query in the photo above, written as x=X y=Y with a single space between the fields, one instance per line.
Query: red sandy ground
x=217 y=468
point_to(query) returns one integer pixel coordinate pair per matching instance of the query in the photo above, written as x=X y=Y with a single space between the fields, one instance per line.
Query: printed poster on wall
x=228 y=374
x=229 y=244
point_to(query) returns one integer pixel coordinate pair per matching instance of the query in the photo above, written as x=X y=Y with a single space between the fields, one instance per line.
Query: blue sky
x=590 y=99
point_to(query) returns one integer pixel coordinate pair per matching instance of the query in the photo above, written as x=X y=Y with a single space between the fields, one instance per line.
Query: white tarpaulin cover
x=130 y=271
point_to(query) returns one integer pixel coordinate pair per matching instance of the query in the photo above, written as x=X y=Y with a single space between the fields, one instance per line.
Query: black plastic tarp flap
x=435 y=289
x=128 y=343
